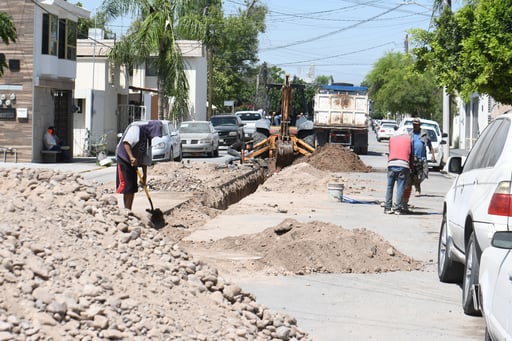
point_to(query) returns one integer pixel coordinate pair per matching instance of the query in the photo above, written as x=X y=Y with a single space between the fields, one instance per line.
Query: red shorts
x=126 y=178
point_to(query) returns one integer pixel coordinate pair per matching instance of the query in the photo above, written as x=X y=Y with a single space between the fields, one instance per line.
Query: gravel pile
x=75 y=266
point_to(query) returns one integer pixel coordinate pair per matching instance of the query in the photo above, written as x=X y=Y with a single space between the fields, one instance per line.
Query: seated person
x=52 y=142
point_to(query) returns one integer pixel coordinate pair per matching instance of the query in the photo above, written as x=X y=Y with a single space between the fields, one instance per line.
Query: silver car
x=167 y=147
x=478 y=204
x=199 y=137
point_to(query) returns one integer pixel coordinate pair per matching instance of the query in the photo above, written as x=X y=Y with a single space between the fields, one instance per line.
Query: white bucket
x=335 y=191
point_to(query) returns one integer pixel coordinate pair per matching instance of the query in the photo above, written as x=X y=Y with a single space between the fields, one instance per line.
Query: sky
x=338 y=38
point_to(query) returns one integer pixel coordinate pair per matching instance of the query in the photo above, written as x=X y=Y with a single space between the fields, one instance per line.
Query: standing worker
x=134 y=150
x=398 y=171
x=419 y=143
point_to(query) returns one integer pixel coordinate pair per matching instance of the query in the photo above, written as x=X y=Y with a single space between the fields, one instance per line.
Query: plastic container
x=335 y=191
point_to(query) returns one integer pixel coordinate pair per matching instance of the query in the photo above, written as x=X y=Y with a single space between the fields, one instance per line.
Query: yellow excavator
x=293 y=137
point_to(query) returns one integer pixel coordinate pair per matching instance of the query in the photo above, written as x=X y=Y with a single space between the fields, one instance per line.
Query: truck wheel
x=310 y=139
x=361 y=150
x=321 y=139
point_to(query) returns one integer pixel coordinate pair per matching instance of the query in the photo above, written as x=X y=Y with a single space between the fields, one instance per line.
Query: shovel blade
x=157 y=218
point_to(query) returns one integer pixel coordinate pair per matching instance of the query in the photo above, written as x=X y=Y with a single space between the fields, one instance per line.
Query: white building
x=107 y=98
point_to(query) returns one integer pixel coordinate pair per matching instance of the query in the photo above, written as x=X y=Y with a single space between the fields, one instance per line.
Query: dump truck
x=341 y=115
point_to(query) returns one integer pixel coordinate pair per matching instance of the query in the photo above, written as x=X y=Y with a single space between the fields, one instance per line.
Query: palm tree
x=152 y=38
x=7 y=34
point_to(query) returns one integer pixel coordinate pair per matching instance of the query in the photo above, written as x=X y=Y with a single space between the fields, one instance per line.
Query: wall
x=17 y=133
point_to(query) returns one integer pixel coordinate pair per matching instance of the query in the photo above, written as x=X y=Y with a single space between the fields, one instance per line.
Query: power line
x=333 y=32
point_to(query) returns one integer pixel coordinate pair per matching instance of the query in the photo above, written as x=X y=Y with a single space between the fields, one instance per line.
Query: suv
x=477 y=204
x=230 y=129
x=249 y=118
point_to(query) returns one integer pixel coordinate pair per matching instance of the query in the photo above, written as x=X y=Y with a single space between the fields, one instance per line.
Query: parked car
x=229 y=127
x=406 y=123
x=167 y=147
x=494 y=292
x=199 y=137
x=475 y=207
x=249 y=118
x=386 y=131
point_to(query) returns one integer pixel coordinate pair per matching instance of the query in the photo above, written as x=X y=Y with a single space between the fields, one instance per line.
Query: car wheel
x=487 y=335
x=470 y=277
x=210 y=153
x=216 y=152
x=378 y=139
x=448 y=271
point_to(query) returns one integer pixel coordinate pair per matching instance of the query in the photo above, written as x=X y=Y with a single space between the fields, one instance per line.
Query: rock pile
x=74 y=266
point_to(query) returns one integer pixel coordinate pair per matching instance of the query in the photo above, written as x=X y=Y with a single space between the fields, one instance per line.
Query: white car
x=406 y=124
x=249 y=118
x=475 y=207
x=199 y=137
x=386 y=131
x=494 y=290
x=167 y=147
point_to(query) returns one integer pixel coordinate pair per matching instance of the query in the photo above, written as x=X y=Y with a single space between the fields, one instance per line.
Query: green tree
x=98 y=21
x=152 y=39
x=395 y=86
x=7 y=34
x=236 y=71
x=470 y=50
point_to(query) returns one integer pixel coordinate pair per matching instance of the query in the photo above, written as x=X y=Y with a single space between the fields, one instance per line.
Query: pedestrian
x=53 y=142
x=133 y=151
x=420 y=141
x=398 y=171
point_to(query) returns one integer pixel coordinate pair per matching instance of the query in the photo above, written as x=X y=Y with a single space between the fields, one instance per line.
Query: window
x=151 y=67
x=71 y=33
x=59 y=37
x=488 y=147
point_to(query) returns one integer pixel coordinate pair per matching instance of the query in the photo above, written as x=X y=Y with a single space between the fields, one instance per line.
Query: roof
x=346 y=88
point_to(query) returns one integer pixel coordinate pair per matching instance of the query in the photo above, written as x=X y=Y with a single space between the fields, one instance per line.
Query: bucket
x=335 y=191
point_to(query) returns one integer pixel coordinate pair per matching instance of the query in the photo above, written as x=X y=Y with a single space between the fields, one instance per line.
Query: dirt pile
x=299 y=248
x=335 y=158
x=73 y=265
x=293 y=247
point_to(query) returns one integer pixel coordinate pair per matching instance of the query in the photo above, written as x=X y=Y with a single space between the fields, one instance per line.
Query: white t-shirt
x=132 y=137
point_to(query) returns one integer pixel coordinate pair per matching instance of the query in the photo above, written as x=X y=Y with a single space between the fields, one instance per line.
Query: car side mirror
x=455 y=164
x=444 y=135
x=442 y=142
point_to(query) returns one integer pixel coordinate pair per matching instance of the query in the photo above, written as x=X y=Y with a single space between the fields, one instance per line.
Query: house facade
x=108 y=98
x=472 y=117
x=37 y=88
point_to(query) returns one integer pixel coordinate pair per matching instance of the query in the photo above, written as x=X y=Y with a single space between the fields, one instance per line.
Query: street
x=374 y=306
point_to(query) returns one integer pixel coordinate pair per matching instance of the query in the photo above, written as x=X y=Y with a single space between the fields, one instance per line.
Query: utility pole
x=210 y=81
x=446 y=105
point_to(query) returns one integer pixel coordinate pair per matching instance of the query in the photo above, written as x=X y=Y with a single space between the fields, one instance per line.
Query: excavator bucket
x=284 y=153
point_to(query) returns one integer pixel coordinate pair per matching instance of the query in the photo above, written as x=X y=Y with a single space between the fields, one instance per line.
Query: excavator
x=293 y=137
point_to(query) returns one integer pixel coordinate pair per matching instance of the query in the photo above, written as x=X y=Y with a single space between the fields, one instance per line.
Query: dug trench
x=219 y=225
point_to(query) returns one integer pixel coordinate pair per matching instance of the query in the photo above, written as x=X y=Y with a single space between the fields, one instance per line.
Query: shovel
x=157 y=217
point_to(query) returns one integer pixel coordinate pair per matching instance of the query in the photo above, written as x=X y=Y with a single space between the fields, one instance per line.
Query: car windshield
x=222 y=121
x=249 y=116
x=165 y=129
x=188 y=128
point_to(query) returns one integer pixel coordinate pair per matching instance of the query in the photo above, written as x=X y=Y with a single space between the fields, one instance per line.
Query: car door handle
x=475 y=182
x=510 y=277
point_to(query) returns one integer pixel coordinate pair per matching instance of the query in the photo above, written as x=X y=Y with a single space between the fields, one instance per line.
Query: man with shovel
x=134 y=150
